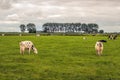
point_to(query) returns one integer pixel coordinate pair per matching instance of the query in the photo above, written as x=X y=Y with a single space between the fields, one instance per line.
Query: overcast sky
x=106 y=13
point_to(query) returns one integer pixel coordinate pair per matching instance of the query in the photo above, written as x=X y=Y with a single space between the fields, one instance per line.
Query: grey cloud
x=9 y=28
x=104 y=12
x=5 y=4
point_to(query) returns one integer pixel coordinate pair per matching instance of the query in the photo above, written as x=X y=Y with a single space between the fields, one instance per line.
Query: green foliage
x=59 y=58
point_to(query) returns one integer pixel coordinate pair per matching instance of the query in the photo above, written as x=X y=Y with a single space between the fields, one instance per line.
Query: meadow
x=59 y=58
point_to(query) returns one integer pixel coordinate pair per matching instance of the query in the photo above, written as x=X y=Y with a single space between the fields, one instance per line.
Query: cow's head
x=35 y=50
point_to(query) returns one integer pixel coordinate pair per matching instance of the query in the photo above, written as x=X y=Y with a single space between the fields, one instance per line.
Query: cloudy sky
x=106 y=13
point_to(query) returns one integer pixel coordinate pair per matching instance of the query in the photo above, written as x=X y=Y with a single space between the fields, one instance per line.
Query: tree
x=84 y=27
x=101 y=31
x=31 y=28
x=70 y=27
x=93 y=27
x=22 y=27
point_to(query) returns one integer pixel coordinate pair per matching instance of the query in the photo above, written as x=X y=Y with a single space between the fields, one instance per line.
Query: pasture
x=59 y=58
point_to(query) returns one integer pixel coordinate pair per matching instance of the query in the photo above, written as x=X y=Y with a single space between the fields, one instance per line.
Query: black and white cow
x=27 y=45
x=99 y=48
x=112 y=36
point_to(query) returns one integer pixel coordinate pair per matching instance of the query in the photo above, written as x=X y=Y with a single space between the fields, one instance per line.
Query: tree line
x=30 y=27
x=63 y=27
x=71 y=27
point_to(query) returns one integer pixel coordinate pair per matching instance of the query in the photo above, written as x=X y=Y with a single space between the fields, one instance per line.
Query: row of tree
x=63 y=27
x=71 y=27
x=30 y=27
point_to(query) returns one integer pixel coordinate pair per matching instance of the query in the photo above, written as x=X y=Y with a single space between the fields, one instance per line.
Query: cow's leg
x=29 y=50
x=98 y=52
x=21 y=51
x=101 y=51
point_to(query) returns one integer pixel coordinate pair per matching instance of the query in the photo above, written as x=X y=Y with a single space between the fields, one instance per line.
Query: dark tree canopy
x=31 y=28
x=71 y=27
x=101 y=31
x=22 y=27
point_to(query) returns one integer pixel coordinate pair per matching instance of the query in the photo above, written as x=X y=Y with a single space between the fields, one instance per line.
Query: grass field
x=59 y=58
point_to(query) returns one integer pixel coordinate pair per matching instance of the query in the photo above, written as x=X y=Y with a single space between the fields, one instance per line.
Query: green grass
x=59 y=58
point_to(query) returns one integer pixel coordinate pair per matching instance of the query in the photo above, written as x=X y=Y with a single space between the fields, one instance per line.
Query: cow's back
x=26 y=44
x=99 y=45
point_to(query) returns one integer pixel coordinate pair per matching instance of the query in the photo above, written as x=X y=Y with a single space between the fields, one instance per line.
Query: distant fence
x=15 y=34
x=51 y=34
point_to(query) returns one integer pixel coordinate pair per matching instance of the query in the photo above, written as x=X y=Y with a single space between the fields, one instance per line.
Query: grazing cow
x=99 y=48
x=27 y=45
x=112 y=36
x=115 y=36
x=102 y=41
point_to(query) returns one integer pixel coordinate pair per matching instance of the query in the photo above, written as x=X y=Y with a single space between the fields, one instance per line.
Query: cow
x=112 y=36
x=102 y=40
x=99 y=48
x=27 y=45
